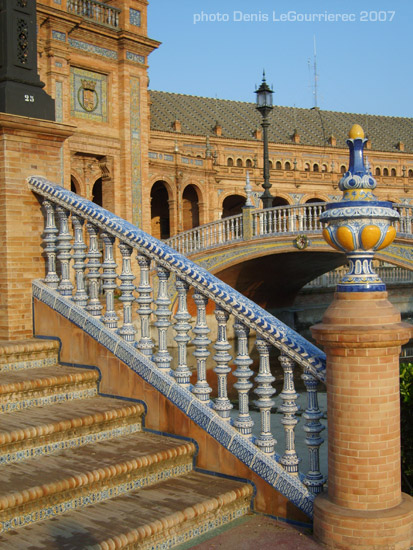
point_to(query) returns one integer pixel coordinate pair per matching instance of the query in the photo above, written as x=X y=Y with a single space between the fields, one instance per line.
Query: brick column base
x=344 y=529
x=365 y=509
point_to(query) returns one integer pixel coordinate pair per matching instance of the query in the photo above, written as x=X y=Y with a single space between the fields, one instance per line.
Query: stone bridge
x=269 y=255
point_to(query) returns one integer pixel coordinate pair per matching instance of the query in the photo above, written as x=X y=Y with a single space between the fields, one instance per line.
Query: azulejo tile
x=243 y=449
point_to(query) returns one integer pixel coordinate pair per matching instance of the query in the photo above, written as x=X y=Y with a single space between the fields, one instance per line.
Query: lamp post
x=264 y=106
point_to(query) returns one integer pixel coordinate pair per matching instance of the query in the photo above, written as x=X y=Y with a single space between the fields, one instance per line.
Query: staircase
x=78 y=470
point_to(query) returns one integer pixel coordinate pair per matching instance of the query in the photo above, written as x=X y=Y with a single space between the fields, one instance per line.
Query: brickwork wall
x=27 y=147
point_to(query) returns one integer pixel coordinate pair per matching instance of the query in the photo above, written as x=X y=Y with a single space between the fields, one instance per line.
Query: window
x=270 y=163
x=306 y=167
x=378 y=171
x=278 y=165
x=230 y=162
x=287 y=165
x=239 y=163
x=410 y=173
x=248 y=163
x=316 y=168
x=343 y=169
x=385 y=171
x=324 y=168
x=393 y=172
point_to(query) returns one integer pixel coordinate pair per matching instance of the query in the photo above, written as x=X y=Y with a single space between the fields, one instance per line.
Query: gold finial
x=356 y=132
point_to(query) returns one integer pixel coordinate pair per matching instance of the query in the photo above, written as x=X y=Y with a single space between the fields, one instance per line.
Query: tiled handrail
x=91 y=287
x=279 y=220
x=96 y=11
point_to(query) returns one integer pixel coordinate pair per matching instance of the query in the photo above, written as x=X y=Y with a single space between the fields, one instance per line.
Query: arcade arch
x=160 y=218
x=232 y=205
x=190 y=208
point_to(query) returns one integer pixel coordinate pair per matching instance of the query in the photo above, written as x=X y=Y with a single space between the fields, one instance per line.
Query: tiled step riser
x=26 y=364
x=97 y=491
x=29 y=354
x=181 y=527
x=29 y=450
x=18 y=401
x=27 y=444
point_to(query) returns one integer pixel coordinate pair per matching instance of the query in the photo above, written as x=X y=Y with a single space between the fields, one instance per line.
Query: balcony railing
x=98 y=12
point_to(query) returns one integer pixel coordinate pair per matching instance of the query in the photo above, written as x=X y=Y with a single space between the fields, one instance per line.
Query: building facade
x=169 y=162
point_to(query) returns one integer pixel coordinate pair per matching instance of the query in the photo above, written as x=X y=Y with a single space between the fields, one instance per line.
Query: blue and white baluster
x=222 y=358
x=182 y=326
x=243 y=422
x=79 y=265
x=201 y=342
x=50 y=238
x=145 y=343
x=289 y=407
x=127 y=330
x=265 y=391
x=163 y=313
x=94 y=307
x=110 y=318
x=314 y=479
x=64 y=247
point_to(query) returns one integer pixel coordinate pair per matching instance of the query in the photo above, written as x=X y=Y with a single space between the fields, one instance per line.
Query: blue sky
x=215 y=49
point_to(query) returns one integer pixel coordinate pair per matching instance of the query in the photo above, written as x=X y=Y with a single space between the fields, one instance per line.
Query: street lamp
x=264 y=106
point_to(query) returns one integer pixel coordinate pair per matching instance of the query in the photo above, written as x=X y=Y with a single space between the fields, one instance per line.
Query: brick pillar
x=365 y=509
x=28 y=147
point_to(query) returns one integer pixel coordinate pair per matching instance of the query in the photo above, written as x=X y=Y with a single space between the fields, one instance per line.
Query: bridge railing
x=83 y=280
x=287 y=219
x=268 y=222
x=206 y=236
x=405 y=224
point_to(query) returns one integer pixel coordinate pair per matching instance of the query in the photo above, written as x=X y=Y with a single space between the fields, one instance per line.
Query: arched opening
x=278 y=165
x=74 y=186
x=160 y=227
x=279 y=201
x=232 y=205
x=287 y=165
x=385 y=171
x=230 y=161
x=306 y=167
x=97 y=192
x=343 y=169
x=239 y=163
x=324 y=168
x=410 y=173
x=270 y=164
x=190 y=208
x=316 y=168
x=248 y=163
x=393 y=172
x=378 y=172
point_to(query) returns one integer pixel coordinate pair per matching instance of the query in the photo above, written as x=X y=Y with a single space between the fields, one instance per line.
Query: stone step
x=36 y=387
x=28 y=354
x=75 y=478
x=33 y=433
x=160 y=516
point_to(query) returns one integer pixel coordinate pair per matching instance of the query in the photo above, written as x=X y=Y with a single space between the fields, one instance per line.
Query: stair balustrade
x=133 y=300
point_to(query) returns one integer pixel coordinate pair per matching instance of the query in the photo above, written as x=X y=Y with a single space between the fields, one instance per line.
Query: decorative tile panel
x=88 y=95
x=91 y=48
x=135 y=125
x=135 y=17
x=57 y=35
x=130 y=56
